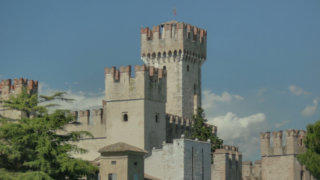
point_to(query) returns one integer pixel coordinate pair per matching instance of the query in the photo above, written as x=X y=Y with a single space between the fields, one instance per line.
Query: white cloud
x=81 y=101
x=297 y=90
x=309 y=110
x=240 y=131
x=210 y=98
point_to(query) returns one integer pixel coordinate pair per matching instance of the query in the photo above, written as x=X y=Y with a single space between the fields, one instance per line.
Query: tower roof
x=120 y=147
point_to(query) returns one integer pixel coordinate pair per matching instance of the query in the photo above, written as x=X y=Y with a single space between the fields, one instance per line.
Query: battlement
x=177 y=126
x=89 y=117
x=173 y=39
x=293 y=142
x=8 y=87
x=231 y=149
x=148 y=83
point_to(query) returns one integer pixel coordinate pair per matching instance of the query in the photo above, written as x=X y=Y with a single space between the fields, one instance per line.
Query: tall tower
x=135 y=106
x=181 y=49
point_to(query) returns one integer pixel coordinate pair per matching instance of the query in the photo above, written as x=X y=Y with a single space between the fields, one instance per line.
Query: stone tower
x=135 y=106
x=181 y=49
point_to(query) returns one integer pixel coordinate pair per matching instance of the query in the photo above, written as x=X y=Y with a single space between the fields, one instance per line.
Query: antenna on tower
x=174 y=11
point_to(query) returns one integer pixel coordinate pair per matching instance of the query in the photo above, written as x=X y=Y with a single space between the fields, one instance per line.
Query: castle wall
x=250 y=171
x=279 y=159
x=177 y=126
x=13 y=87
x=227 y=164
x=183 y=159
x=89 y=120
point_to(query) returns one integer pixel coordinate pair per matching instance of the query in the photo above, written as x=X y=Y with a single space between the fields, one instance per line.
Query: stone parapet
x=293 y=144
x=174 y=41
x=9 y=86
x=148 y=83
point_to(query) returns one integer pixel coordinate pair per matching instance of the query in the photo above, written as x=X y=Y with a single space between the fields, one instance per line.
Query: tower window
x=157 y=117
x=112 y=176
x=188 y=68
x=125 y=116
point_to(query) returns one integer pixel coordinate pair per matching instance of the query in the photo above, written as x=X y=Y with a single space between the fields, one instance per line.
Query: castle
x=148 y=109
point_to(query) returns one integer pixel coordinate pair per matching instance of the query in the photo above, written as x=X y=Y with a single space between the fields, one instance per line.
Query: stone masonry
x=180 y=49
x=227 y=163
x=9 y=87
x=184 y=159
x=279 y=159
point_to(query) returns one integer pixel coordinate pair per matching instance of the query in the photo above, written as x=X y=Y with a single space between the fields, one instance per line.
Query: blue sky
x=262 y=69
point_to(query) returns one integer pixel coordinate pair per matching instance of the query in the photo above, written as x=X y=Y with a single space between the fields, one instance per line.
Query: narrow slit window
x=125 y=116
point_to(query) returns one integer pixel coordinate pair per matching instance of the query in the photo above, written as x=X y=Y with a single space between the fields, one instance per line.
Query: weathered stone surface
x=184 y=159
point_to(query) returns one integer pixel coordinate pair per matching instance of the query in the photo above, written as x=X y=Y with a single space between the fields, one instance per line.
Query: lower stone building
x=184 y=159
x=121 y=161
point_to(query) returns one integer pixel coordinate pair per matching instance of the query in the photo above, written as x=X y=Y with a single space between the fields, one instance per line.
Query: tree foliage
x=201 y=131
x=34 y=147
x=311 y=158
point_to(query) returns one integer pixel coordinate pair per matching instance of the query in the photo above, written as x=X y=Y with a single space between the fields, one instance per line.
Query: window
x=76 y=116
x=125 y=116
x=113 y=162
x=188 y=68
x=90 y=121
x=164 y=68
x=112 y=176
x=157 y=117
x=135 y=163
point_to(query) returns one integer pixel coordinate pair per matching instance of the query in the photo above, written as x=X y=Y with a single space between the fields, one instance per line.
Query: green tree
x=311 y=158
x=34 y=146
x=203 y=132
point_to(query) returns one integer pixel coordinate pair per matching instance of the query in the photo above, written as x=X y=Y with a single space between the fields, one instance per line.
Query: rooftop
x=120 y=147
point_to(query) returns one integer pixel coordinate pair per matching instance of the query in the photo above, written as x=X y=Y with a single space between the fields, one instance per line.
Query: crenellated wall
x=293 y=143
x=148 y=83
x=13 y=87
x=227 y=163
x=9 y=87
x=173 y=38
x=89 y=120
x=279 y=158
x=176 y=126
